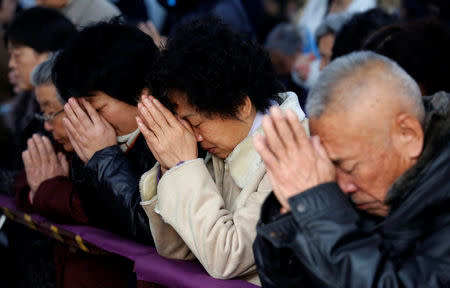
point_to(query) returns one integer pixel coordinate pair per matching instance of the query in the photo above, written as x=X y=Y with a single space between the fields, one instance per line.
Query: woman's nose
x=48 y=126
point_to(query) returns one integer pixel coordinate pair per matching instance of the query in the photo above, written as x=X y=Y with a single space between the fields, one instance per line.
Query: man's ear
x=408 y=135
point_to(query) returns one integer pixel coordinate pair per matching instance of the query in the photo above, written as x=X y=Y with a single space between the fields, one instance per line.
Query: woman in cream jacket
x=208 y=208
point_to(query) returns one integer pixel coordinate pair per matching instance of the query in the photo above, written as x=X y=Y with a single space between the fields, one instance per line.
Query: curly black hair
x=110 y=57
x=216 y=68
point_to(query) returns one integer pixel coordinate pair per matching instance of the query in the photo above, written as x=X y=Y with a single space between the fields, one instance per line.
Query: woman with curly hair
x=216 y=86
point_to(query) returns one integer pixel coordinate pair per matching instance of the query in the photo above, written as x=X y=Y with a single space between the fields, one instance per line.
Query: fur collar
x=437 y=138
x=244 y=160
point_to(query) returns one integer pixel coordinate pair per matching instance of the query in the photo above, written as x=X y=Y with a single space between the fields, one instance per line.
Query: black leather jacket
x=325 y=242
x=108 y=187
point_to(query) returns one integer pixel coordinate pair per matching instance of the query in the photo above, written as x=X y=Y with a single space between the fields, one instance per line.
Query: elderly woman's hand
x=170 y=138
x=294 y=162
x=88 y=131
x=42 y=163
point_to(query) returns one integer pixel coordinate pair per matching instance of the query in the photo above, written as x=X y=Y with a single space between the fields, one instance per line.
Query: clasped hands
x=170 y=138
x=295 y=163
x=42 y=162
x=87 y=130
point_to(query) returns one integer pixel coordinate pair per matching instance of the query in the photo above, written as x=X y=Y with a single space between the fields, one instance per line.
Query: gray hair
x=42 y=74
x=286 y=38
x=353 y=65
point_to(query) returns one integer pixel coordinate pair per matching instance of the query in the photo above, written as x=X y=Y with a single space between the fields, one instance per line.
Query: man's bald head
x=369 y=115
x=341 y=86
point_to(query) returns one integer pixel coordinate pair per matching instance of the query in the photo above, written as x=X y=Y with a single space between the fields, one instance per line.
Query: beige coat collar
x=244 y=160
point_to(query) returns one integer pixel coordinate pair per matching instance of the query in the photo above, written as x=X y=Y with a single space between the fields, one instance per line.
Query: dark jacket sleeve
x=277 y=265
x=338 y=253
x=117 y=186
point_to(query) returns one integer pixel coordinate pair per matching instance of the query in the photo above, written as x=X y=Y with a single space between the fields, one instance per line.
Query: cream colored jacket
x=208 y=209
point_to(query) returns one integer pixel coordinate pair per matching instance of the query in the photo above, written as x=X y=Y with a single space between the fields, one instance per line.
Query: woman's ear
x=246 y=110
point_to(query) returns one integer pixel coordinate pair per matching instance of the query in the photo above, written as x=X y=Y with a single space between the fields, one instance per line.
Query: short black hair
x=422 y=48
x=352 y=35
x=216 y=67
x=42 y=29
x=110 y=57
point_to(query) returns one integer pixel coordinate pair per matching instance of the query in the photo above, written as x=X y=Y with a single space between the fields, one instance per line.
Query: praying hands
x=294 y=162
x=170 y=138
x=42 y=163
x=88 y=131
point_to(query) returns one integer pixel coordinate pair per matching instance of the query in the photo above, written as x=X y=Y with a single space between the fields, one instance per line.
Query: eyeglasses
x=47 y=118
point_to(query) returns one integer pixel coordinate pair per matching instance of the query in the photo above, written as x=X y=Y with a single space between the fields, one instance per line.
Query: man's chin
x=374 y=208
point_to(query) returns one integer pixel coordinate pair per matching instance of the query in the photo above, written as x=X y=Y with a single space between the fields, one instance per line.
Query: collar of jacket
x=244 y=160
x=437 y=139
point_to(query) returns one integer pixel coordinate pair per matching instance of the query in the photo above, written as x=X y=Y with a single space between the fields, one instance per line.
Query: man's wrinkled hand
x=87 y=130
x=295 y=163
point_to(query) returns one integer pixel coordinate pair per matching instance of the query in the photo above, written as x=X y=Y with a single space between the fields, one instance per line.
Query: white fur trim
x=244 y=160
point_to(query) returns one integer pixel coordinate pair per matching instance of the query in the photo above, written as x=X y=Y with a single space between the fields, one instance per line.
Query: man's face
x=21 y=62
x=360 y=144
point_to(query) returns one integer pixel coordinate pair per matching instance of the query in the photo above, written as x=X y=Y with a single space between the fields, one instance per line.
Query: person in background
x=326 y=34
x=425 y=9
x=31 y=37
x=333 y=218
x=357 y=29
x=101 y=75
x=307 y=67
x=241 y=16
x=133 y=11
x=83 y=12
x=284 y=44
x=217 y=85
x=420 y=47
x=311 y=17
x=8 y=9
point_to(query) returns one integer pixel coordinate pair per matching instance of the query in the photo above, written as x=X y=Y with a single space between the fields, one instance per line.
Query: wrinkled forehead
x=340 y=135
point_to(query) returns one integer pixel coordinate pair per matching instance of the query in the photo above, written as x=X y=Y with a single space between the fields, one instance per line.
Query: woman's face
x=217 y=135
x=121 y=115
x=49 y=103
